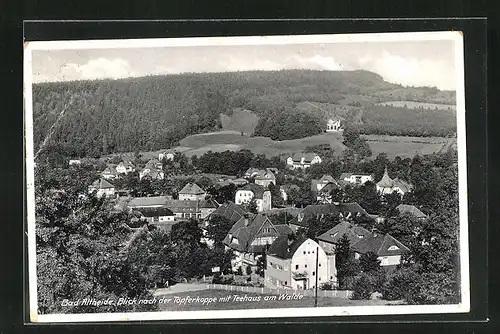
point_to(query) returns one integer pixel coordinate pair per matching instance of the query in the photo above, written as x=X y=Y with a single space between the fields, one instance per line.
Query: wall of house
x=277 y=273
x=266 y=201
x=191 y=197
x=263 y=241
x=390 y=260
x=108 y=192
x=166 y=218
x=304 y=260
x=243 y=196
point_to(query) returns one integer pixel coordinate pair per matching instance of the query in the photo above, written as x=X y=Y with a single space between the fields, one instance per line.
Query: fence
x=345 y=294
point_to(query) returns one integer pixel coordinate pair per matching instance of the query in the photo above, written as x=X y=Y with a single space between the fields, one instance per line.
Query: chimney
x=247 y=219
x=290 y=240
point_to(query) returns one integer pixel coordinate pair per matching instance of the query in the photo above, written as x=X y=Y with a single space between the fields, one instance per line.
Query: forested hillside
x=150 y=113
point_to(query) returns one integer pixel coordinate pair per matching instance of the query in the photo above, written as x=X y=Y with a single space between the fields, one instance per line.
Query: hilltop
x=157 y=112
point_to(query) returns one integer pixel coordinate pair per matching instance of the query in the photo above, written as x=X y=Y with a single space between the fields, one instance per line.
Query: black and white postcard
x=246 y=177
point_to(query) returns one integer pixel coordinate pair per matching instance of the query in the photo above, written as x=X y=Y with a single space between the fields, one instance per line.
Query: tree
x=276 y=198
x=217 y=229
x=347 y=266
x=251 y=206
x=223 y=194
x=316 y=227
x=188 y=233
x=261 y=264
x=363 y=287
x=369 y=262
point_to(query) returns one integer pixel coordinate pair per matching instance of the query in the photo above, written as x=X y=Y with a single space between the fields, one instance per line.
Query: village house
x=303 y=160
x=286 y=189
x=387 y=248
x=192 y=192
x=75 y=162
x=154 y=164
x=345 y=211
x=317 y=185
x=153 y=174
x=251 y=191
x=334 y=125
x=101 y=187
x=324 y=196
x=230 y=211
x=181 y=209
x=413 y=210
x=265 y=178
x=155 y=215
x=250 y=236
x=125 y=167
x=110 y=172
x=291 y=263
x=356 y=178
x=386 y=185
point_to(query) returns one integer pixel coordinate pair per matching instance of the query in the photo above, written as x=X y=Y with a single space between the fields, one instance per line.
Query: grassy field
x=234 y=305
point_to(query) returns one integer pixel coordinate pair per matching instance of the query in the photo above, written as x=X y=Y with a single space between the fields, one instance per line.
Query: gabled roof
x=156 y=212
x=102 y=184
x=110 y=169
x=380 y=245
x=192 y=189
x=208 y=204
x=312 y=211
x=265 y=175
x=405 y=208
x=330 y=186
x=327 y=178
x=251 y=170
x=280 y=247
x=401 y=184
x=230 y=211
x=258 y=191
x=354 y=233
x=125 y=164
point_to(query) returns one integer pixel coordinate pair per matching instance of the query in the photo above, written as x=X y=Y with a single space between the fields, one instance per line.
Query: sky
x=410 y=63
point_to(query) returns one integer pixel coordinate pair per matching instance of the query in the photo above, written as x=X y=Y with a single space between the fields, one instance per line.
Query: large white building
x=303 y=160
x=356 y=178
x=252 y=191
x=291 y=263
x=334 y=125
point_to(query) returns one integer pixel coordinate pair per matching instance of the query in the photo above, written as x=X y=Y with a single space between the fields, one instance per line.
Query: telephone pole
x=316 y=286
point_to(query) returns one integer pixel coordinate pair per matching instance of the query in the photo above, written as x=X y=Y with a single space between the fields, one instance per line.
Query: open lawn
x=250 y=302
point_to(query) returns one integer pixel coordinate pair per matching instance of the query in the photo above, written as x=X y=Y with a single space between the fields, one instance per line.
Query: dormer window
x=334 y=234
x=300 y=217
x=392 y=248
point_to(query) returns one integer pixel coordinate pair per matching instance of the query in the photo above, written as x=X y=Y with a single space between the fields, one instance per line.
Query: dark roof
x=379 y=245
x=387 y=182
x=148 y=201
x=354 y=233
x=192 y=189
x=330 y=186
x=258 y=191
x=230 y=211
x=405 y=208
x=102 y=184
x=246 y=234
x=312 y=211
x=156 y=212
x=208 y=204
x=280 y=247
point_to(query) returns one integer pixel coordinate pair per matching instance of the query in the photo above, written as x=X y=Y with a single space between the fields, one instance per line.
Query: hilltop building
x=334 y=125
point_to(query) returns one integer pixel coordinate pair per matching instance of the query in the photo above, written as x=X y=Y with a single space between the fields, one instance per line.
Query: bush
x=327 y=286
x=248 y=270
x=364 y=286
x=399 y=285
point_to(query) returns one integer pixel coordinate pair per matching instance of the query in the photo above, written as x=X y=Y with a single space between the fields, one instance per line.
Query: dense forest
x=91 y=118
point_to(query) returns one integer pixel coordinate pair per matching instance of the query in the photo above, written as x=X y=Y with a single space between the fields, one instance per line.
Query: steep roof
x=330 y=186
x=380 y=245
x=258 y=191
x=353 y=232
x=280 y=247
x=265 y=175
x=385 y=181
x=401 y=184
x=208 y=204
x=405 y=208
x=327 y=178
x=230 y=211
x=156 y=212
x=102 y=184
x=110 y=169
x=192 y=189
x=308 y=157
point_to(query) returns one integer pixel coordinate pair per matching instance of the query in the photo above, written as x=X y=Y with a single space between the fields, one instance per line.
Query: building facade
x=255 y=192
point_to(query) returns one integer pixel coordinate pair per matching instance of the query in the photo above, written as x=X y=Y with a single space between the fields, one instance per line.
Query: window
x=331 y=277
x=304 y=252
x=314 y=273
x=286 y=282
x=296 y=267
x=393 y=248
x=319 y=264
x=305 y=265
x=319 y=278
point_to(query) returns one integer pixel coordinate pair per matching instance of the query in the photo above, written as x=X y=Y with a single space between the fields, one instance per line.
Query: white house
x=334 y=125
x=356 y=178
x=303 y=160
x=157 y=214
x=291 y=263
x=102 y=188
x=74 y=162
x=110 y=172
x=264 y=178
x=253 y=191
x=386 y=185
x=168 y=155
x=125 y=167
x=154 y=174
x=192 y=192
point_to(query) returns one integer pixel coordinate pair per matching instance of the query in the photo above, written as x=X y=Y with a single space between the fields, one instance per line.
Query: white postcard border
x=462 y=307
